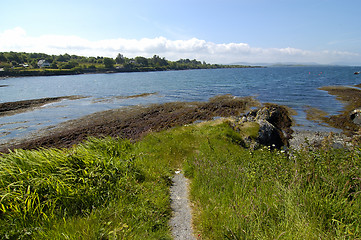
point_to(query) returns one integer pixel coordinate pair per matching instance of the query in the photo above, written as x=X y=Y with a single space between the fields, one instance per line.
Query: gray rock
x=269 y=135
x=355 y=116
x=275 y=125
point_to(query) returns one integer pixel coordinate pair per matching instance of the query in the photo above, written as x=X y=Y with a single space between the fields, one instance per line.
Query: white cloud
x=17 y=40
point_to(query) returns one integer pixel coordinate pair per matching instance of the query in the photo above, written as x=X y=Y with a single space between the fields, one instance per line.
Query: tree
x=119 y=59
x=2 y=58
x=141 y=61
x=53 y=65
x=70 y=65
x=108 y=62
x=157 y=61
x=60 y=58
x=92 y=60
x=13 y=57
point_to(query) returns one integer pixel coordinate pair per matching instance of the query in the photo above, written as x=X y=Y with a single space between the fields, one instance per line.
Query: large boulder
x=269 y=135
x=274 y=125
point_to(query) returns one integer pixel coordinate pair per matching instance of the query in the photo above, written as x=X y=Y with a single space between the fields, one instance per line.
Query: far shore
x=61 y=72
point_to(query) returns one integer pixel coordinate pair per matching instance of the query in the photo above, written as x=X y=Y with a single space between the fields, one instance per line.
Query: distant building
x=43 y=63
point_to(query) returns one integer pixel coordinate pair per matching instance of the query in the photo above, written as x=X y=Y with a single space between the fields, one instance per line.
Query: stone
x=269 y=135
x=274 y=125
x=355 y=116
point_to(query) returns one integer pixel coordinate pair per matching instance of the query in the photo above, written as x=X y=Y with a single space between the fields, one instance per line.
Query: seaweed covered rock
x=274 y=125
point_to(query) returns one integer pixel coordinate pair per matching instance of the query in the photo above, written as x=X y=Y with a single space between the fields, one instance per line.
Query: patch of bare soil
x=135 y=122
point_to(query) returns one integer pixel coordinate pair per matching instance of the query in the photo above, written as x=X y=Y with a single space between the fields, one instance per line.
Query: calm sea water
x=295 y=87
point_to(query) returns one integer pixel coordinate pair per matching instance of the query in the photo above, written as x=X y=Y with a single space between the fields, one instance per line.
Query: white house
x=43 y=63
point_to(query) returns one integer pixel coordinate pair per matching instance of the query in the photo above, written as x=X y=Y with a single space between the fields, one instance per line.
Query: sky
x=215 y=31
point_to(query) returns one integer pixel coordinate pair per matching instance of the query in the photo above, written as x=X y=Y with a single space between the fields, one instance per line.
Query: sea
x=295 y=87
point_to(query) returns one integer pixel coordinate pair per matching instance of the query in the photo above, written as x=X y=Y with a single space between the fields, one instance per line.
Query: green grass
x=113 y=189
x=263 y=194
x=93 y=191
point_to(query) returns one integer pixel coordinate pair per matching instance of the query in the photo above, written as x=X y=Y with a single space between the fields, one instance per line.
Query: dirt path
x=181 y=222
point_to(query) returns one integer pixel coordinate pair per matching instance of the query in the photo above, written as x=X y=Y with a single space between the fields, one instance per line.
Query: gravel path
x=181 y=222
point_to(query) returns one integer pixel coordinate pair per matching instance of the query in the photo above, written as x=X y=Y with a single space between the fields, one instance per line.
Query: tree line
x=29 y=62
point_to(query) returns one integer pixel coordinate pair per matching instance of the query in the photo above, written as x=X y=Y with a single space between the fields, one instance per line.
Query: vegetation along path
x=181 y=222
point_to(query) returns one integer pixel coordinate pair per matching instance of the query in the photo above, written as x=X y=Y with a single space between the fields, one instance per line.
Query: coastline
x=132 y=122
x=135 y=122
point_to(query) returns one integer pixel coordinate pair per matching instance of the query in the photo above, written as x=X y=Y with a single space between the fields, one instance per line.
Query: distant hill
x=290 y=64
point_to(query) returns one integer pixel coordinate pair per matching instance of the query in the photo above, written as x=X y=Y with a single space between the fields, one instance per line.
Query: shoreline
x=131 y=122
x=136 y=121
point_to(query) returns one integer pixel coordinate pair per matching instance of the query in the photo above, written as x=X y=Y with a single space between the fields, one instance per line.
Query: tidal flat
x=12 y=108
x=133 y=122
x=350 y=96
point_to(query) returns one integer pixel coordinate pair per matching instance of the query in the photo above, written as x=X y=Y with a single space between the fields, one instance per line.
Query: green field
x=114 y=189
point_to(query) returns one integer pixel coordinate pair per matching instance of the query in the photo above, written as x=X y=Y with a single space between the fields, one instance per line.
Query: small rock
x=355 y=116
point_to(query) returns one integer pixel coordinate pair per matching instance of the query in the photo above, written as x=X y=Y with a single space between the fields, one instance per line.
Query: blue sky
x=225 y=31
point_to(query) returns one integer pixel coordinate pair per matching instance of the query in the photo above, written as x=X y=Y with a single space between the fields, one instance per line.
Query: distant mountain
x=346 y=64
x=249 y=64
x=291 y=64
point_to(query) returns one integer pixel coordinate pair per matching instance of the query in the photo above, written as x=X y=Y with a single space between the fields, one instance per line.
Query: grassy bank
x=114 y=189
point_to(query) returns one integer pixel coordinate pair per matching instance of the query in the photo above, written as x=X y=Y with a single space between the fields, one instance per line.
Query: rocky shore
x=275 y=122
x=302 y=139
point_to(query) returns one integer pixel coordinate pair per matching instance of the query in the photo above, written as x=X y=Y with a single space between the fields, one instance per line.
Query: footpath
x=181 y=222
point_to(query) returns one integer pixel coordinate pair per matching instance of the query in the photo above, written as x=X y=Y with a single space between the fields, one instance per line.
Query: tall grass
x=113 y=189
x=93 y=191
